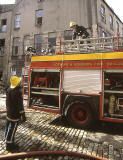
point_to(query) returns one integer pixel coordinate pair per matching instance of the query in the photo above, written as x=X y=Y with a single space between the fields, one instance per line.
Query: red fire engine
x=84 y=84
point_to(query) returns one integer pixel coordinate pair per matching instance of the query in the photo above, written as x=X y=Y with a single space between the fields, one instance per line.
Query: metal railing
x=89 y=45
x=92 y=45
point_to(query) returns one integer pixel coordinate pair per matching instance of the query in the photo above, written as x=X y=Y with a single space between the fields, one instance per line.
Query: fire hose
x=2 y=112
x=49 y=153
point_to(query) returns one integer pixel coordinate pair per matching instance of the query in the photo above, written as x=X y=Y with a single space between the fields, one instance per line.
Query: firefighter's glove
x=23 y=117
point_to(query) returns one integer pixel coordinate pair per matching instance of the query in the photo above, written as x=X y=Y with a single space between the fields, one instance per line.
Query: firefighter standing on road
x=15 y=111
x=79 y=31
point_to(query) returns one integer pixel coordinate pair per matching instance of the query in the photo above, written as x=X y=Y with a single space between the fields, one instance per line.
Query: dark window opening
x=15 y=46
x=3 y=25
x=39 y=20
x=1 y=74
x=2 y=42
x=2 y=46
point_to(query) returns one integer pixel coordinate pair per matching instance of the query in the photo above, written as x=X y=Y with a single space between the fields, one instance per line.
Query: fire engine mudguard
x=79 y=115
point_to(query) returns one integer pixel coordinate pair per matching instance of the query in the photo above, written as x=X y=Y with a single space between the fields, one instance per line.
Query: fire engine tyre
x=79 y=115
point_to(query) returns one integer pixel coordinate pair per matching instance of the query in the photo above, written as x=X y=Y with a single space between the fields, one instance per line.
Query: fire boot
x=12 y=147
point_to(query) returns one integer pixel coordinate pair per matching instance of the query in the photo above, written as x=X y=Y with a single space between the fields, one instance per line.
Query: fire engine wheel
x=79 y=115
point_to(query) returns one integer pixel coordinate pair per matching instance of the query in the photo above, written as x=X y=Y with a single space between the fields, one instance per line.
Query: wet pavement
x=48 y=132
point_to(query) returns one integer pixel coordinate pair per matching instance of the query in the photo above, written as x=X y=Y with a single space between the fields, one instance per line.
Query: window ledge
x=17 y=28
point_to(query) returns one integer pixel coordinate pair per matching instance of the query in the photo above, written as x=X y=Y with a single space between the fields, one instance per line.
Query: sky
x=7 y=1
x=116 y=5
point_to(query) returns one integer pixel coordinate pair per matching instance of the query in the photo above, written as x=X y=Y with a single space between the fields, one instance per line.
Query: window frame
x=39 y=46
x=16 y=21
x=111 y=22
x=25 y=40
x=117 y=27
x=102 y=13
x=52 y=38
x=40 y=18
x=13 y=46
x=2 y=47
x=122 y=31
x=3 y=26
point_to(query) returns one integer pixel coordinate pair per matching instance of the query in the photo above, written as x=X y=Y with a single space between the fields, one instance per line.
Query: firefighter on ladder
x=79 y=31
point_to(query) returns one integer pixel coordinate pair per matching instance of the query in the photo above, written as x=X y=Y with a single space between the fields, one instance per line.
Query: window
x=26 y=43
x=38 y=43
x=117 y=26
x=68 y=35
x=17 y=21
x=1 y=74
x=122 y=31
x=102 y=12
x=2 y=46
x=104 y=34
x=111 y=22
x=51 y=42
x=15 y=45
x=52 y=39
x=3 y=25
x=39 y=15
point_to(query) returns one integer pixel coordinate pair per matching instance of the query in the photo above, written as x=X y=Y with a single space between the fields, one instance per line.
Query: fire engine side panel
x=82 y=81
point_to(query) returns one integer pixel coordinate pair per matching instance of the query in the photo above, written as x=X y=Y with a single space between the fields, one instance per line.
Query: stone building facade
x=40 y=22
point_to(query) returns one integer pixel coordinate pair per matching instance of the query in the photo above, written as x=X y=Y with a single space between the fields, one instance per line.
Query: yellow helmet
x=72 y=24
x=14 y=81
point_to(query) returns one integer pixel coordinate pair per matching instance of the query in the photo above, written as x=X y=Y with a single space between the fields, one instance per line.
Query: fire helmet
x=72 y=24
x=15 y=81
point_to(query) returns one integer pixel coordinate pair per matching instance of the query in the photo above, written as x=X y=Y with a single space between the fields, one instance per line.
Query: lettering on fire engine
x=76 y=64
x=114 y=64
